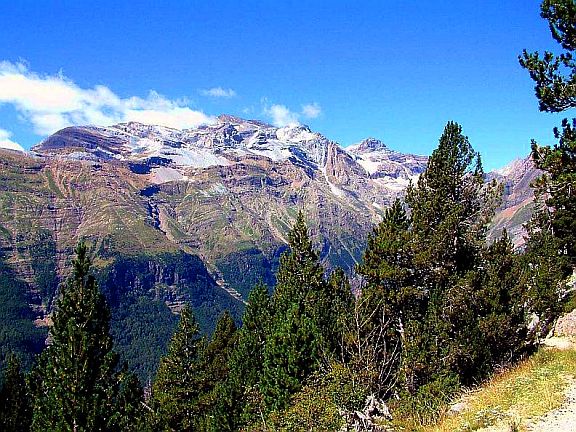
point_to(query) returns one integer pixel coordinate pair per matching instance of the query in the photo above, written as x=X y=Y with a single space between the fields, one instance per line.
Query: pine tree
x=239 y=398
x=340 y=310
x=130 y=413
x=555 y=90
x=79 y=383
x=387 y=302
x=545 y=271
x=557 y=188
x=450 y=209
x=387 y=266
x=299 y=327
x=214 y=370
x=15 y=403
x=175 y=391
x=555 y=78
x=502 y=311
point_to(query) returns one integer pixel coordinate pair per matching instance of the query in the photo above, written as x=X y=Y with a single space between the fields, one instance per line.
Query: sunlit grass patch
x=514 y=397
x=511 y=399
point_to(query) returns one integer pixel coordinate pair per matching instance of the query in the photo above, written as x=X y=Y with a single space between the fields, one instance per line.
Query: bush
x=320 y=403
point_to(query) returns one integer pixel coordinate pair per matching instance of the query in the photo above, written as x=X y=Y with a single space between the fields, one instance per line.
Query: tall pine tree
x=214 y=371
x=78 y=379
x=555 y=87
x=301 y=331
x=388 y=300
x=450 y=209
x=15 y=400
x=176 y=389
x=239 y=400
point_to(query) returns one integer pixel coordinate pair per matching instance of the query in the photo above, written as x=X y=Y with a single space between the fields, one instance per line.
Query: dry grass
x=514 y=397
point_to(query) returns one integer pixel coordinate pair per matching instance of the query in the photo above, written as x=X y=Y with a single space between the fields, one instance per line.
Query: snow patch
x=370 y=166
x=165 y=174
x=333 y=188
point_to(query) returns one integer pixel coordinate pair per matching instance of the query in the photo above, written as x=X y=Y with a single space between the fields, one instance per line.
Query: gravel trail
x=562 y=419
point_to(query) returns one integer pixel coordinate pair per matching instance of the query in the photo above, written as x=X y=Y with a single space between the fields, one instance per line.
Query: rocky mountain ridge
x=171 y=153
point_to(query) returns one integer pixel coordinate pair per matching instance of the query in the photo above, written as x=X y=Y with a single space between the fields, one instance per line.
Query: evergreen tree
x=130 y=413
x=292 y=353
x=545 y=270
x=15 y=403
x=79 y=384
x=555 y=78
x=299 y=332
x=214 y=370
x=176 y=389
x=557 y=188
x=239 y=401
x=340 y=311
x=387 y=267
x=388 y=300
x=450 y=209
x=502 y=311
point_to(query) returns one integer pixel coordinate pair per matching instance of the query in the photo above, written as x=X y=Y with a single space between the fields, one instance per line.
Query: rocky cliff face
x=517 y=200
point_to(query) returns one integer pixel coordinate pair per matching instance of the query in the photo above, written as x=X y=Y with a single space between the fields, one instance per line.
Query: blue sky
x=394 y=70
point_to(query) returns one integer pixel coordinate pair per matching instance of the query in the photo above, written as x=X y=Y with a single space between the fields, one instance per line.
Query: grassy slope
x=513 y=398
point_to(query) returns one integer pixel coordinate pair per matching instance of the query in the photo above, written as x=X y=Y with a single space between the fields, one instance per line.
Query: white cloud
x=281 y=116
x=51 y=102
x=7 y=143
x=219 y=92
x=311 y=111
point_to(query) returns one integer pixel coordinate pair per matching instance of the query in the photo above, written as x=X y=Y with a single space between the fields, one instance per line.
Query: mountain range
x=197 y=215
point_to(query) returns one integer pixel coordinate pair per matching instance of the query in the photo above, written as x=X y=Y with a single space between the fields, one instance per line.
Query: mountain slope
x=517 y=200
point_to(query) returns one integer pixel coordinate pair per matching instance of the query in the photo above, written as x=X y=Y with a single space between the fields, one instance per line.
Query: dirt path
x=562 y=419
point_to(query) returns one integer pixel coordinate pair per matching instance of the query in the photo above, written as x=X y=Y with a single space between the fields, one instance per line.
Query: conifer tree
x=387 y=266
x=340 y=311
x=555 y=79
x=79 y=384
x=130 y=413
x=388 y=299
x=450 y=209
x=502 y=311
x=556 y=188
x=239 y=401
x=555 y=76
x=175 y=391
x=15 y=403
x=299 y=327
x=214 y=370
x=545 y=271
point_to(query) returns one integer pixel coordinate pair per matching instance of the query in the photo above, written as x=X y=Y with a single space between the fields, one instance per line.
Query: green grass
x=52 y=185
x=512 y=398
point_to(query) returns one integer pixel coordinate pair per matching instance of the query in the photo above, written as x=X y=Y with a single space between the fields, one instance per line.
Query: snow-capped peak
x=367 y=146
x=512 y=167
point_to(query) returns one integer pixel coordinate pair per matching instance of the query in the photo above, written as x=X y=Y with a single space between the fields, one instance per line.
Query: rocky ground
x=562 y=419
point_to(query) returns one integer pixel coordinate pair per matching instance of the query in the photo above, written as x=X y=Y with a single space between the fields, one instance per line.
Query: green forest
x=439 y=309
